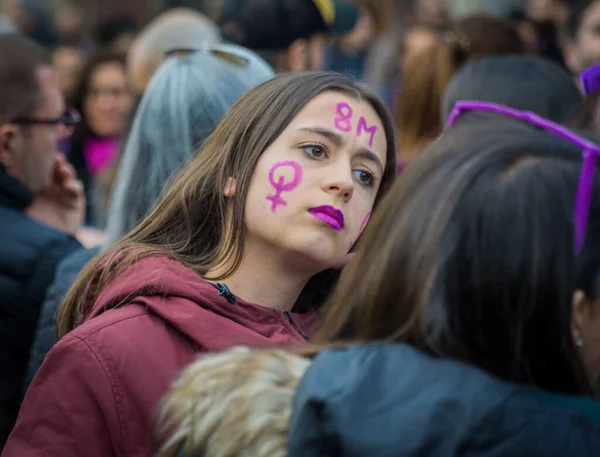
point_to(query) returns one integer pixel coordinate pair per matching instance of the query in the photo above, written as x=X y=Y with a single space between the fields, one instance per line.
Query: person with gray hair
x=184 y=102
x=176 y=27
x=171 y=125
x=521 y=82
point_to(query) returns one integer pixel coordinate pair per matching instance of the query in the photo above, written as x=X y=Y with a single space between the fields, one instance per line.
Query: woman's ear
x=229 y=188
x=582 y=309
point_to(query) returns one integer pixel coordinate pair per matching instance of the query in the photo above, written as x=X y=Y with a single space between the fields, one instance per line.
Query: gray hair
x=184 y=103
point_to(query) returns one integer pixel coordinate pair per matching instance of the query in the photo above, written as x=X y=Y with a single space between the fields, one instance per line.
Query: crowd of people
x=301 y=228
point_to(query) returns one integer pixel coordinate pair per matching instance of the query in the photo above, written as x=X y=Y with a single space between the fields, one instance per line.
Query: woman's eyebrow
x=338 y=140
x=334 y=137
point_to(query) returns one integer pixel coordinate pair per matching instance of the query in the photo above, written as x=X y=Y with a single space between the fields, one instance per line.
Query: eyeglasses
x=590 y=153
x=228 y=56
x=68 y=121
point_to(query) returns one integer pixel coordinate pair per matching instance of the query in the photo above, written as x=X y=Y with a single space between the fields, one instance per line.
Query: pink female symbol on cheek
x=360 y=230
x=280 y=185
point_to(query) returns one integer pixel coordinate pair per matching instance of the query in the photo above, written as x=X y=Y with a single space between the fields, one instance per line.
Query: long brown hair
x=189 y=223
x=426 y=76
x=439 y=270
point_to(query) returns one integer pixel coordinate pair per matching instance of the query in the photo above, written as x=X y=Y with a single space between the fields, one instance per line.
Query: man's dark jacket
x=29 y=254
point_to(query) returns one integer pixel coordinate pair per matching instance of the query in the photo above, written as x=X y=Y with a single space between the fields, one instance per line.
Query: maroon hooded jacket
x=97 y=392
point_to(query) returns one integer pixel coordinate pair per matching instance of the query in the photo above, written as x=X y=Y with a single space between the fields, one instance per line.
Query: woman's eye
x=365 y=177
x=315 y=151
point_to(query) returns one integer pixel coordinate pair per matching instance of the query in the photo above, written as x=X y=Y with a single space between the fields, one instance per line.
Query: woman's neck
x=264 y=280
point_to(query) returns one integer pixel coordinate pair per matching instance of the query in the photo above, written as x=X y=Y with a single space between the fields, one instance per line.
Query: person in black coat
x=41 y=205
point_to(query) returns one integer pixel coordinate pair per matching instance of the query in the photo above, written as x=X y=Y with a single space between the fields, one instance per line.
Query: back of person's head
x=427 y=74
x=275 y=24
x=20 y=91
x=522 y=82
x=176 y=28
x=471 y=257
x=183 y=104
x=282 y=31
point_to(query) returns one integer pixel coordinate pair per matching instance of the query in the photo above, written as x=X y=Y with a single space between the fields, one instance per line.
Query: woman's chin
x=321 y=252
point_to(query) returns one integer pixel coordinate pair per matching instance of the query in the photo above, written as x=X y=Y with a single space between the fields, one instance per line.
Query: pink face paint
x=342 y=121
x=360 y=230
x=362 y=126
x=280 y=185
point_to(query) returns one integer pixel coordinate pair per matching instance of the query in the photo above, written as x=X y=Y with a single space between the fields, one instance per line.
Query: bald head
x=176 y=28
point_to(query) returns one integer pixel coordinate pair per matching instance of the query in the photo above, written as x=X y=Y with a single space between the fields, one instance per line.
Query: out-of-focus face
x=314 y=187
x=68 y=63
x=108 y=102
x=584 y=50
x=123 y=42
x=28 y=150
x=416 y=41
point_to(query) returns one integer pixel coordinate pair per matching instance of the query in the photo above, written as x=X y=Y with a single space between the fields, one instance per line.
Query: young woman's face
x=108 y=102
x=416 y=41
x=313 y=189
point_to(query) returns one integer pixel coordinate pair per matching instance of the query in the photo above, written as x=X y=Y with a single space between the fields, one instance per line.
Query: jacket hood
x=195 y=308
x=390 y=399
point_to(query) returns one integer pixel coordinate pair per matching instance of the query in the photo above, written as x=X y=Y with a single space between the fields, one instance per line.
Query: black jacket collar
x=13 y=194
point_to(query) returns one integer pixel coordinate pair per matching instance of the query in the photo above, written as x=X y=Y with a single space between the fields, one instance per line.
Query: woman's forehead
x=346 y=116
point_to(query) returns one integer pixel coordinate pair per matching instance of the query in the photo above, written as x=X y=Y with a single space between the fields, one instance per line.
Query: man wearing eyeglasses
x=41 y=205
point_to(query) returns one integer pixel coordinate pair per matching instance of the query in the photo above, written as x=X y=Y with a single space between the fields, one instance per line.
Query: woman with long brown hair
x=427 y=72
x=238 y=251
x=468 y=323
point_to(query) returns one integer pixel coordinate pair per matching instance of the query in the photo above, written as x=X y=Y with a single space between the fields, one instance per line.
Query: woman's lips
x=330 y=215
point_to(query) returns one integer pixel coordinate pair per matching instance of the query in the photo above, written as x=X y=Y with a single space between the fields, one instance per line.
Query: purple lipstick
x=330 y=215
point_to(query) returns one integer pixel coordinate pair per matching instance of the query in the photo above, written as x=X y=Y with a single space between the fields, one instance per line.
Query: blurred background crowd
x=133 y=116
x=104 y=53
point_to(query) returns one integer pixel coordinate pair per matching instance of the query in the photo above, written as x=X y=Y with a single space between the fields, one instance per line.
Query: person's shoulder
x=542 y=423
x=72 y=264
x=18 y=228
x=567 y=408
x=114 y=324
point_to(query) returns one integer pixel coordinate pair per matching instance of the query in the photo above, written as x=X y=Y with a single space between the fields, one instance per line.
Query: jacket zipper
x=295 y=326
x=225 y=292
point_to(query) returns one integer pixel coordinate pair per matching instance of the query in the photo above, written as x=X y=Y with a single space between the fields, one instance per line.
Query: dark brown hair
x=189 y=223
x=20 y=92
x=425 y=78
x=439 y=268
